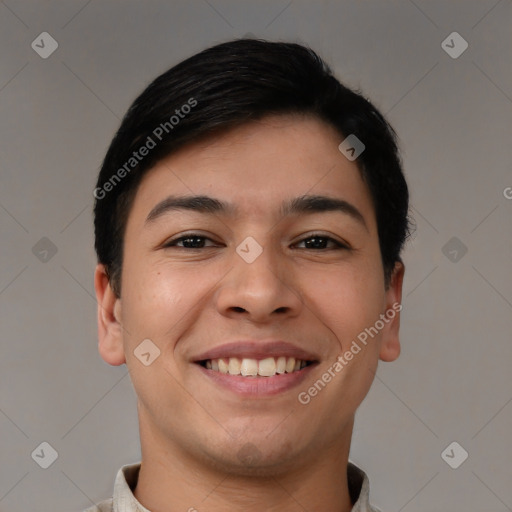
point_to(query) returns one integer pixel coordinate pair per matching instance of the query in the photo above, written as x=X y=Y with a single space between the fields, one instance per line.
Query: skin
x=190 y=300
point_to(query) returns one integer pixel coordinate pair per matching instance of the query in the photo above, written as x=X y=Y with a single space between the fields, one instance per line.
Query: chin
x=250 y=460
x=257 y=454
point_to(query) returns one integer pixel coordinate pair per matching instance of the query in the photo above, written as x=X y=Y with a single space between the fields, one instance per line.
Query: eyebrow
x=303 y=205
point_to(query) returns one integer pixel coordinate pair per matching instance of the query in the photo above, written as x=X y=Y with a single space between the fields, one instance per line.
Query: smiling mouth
x=247 y=367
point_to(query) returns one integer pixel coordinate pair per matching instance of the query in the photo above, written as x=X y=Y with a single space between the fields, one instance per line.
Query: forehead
x=258 y=168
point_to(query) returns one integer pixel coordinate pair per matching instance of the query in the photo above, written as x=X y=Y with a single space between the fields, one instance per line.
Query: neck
x=171 y=478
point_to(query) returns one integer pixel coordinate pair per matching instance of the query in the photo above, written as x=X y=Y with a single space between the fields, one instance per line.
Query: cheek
x=155 y=305
x=347 y=301
x=152 y=297
x=164 y=300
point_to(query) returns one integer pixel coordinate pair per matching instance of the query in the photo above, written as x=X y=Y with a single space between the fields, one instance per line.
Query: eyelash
x=339 y=245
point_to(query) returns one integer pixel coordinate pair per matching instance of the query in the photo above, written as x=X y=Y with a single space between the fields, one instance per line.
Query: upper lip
x=253 y=349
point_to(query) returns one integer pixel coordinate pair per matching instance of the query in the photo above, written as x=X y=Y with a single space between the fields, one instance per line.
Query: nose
x=261 y=291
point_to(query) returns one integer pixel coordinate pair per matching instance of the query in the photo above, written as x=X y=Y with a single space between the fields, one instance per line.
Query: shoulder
x=104 y=506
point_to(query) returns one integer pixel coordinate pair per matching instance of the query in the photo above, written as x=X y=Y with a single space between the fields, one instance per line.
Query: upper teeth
x=252 y=367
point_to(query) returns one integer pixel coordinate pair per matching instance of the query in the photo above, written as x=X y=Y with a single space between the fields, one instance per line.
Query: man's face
x=317 y=284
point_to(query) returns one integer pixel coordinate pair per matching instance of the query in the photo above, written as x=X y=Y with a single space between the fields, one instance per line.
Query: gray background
x=454 y=117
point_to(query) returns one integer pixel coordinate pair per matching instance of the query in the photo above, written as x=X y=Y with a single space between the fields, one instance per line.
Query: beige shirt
x=123 y=499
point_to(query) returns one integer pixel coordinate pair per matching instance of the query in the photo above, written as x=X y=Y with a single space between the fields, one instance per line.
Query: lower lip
x=258 y=386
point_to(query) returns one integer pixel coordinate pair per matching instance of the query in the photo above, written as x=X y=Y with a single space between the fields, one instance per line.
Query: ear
x=390 y=341
x=110 y=329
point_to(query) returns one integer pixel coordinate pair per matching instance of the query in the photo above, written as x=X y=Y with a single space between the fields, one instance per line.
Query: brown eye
x=191 y=241
x=318 y=241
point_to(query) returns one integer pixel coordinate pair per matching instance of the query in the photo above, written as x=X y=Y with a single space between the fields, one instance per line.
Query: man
x=249 y=218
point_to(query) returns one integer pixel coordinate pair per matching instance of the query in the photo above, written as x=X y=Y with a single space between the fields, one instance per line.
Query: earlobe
x=110 y=331
x=390 y=350
x=390 y=341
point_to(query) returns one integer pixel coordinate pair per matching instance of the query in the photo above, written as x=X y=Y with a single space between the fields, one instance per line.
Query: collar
x=126 y=480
